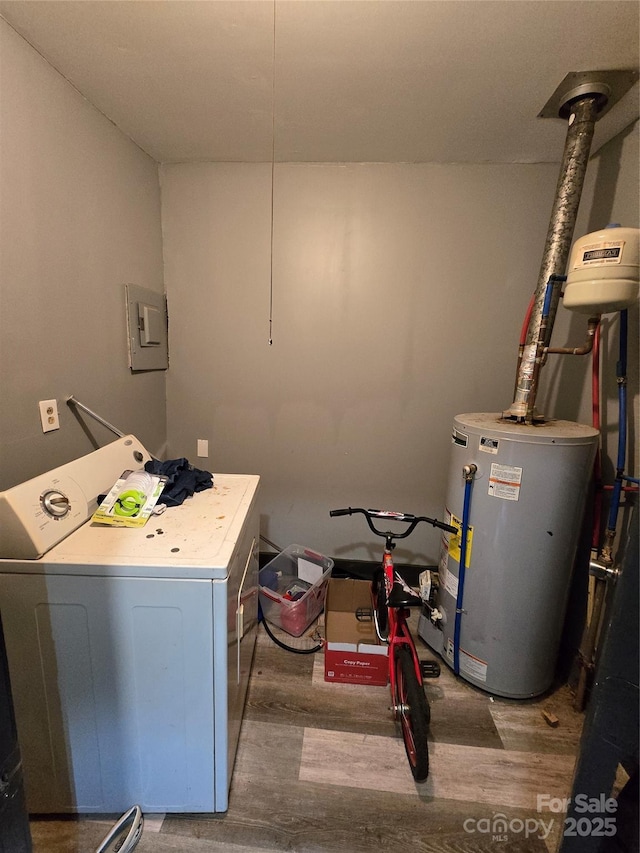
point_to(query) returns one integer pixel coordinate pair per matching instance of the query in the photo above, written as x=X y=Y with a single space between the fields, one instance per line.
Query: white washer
x=129 y=649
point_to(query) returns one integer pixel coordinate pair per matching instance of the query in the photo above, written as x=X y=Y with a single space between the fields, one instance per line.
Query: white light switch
x=150 y=320
x=203 y=447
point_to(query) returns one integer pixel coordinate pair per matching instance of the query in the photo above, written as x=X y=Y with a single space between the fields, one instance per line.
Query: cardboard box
x=352 y=653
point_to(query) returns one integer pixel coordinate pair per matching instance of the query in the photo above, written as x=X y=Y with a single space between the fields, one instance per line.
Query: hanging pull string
x=273 y=159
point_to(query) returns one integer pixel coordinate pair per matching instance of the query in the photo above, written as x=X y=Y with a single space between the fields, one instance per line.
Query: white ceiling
x=355 y=80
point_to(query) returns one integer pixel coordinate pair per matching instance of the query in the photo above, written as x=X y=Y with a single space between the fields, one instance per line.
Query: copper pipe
x=585 y=349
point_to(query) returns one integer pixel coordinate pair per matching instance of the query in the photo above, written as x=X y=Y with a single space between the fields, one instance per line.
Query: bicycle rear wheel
x=412 y=711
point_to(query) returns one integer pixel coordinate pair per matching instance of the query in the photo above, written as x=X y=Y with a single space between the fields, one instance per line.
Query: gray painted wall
x=398 y=296
x=79 y=217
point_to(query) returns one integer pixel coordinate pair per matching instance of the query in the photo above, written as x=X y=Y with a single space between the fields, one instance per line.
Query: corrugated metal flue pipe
x=582 y=119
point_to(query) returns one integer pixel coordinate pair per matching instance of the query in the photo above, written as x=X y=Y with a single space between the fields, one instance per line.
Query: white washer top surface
x=195 y=539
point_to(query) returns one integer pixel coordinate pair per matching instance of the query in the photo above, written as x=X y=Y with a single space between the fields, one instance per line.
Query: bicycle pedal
x=430 y=668
x=364 y=614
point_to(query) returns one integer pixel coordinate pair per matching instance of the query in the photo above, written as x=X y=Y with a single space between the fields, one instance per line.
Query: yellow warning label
x=455 y=541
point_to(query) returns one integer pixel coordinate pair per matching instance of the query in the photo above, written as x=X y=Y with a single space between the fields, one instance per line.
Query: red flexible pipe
x=527 y=320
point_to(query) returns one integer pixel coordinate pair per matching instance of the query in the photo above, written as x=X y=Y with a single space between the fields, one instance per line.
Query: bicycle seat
x=401 y=598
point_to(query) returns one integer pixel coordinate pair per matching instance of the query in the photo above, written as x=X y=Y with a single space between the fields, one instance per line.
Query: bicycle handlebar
x=411 y=520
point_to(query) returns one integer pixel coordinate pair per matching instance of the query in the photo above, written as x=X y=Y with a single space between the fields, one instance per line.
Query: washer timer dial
x=55 y=503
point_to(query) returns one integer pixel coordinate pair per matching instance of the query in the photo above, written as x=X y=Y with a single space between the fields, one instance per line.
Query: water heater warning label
x=504 y=482
x=455 y=541
x=473 y=666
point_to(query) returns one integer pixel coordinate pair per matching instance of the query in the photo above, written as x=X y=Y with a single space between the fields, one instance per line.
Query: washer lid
x=198 y=537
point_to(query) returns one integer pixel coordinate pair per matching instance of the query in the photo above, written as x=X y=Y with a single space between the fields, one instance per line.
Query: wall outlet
x=49 y=415
x=203 y=447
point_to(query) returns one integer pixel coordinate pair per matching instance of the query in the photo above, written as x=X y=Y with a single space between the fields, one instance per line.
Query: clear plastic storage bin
x=293 y=587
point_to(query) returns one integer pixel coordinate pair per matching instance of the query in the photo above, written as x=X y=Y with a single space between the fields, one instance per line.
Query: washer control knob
x=55 y=503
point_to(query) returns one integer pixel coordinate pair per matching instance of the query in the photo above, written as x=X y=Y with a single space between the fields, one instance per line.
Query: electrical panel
x=147 y=328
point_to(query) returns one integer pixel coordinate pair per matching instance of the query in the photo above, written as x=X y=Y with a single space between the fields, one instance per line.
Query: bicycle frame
x=399 y=633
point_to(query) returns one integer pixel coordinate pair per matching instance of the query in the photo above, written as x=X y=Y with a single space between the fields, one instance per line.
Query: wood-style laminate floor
x=321 y=769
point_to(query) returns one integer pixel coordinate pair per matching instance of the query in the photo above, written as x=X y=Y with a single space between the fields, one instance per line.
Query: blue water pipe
x=546 y=305
x=549 y=292
x=469 y=472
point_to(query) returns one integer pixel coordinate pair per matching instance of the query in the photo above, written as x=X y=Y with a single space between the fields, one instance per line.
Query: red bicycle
x=391 y=597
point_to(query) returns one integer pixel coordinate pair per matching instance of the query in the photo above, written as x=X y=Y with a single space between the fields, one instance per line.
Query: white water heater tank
x=524 y=523
x=603 y=271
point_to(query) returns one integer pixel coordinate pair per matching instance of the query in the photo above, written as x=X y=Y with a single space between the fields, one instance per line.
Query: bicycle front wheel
x=412 y=711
